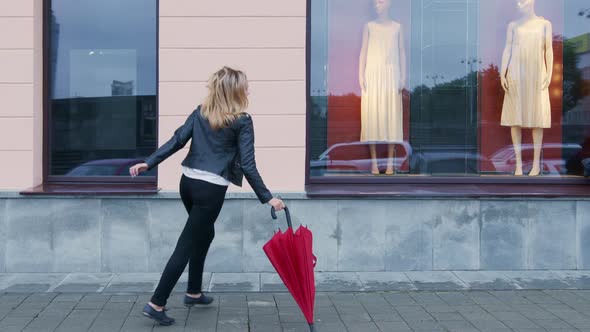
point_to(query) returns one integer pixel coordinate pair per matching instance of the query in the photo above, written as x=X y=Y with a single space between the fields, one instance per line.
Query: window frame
x=427 y=185
x=87 y=184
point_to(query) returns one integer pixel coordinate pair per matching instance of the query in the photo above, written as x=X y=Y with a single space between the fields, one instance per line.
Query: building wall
x=21 y=93
x=138 y=234
x=264 y=38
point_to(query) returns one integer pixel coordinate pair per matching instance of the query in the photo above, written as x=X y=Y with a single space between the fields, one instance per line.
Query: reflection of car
x=354 y=157
x=107 y=167
x=447 y=160
x=553 y=159
x=586 y=165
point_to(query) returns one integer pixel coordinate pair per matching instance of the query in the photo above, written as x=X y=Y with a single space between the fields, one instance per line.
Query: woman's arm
x=506 y=56
x=248 y=160
x=548 y=55
x=177 y=142
x=363 y=58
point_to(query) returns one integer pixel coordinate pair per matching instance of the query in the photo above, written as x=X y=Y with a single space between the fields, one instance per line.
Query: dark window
x=102 y=111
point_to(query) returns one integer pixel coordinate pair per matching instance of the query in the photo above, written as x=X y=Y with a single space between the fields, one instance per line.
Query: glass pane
x=443 y=109
x=340 y=144
x=443 y=126
x=576 y=87
x=518 y=45
x=102 y=86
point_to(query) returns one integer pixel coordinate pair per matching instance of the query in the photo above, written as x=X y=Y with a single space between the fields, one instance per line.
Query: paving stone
x=330 y=326
x=108 y=321
x=396 y=299
x=123 y=298
x=466 y=311
x=14 y=323
x=235 y=282
x=446 y=316
x=271 y=282
x=425 y=298
x=385 y=281
x=78 y=320
x=264 y=318
x=521 y=324
x=266 y=327
x=132 y=283
x=285 y=300
x=338 y=282
x=90 y=305
x=295 y=327
x=425 y=325
x=361 y=326
x=539 y=280
x=71 y=297
x=84 y=282
x=291 y=317
x=44 y=323
x=388 y=317
x=323 y=300
x=455 y=298
x=487 y=280
x=393 y=326
x=436 y=280
x=458 y=324
x=133 y=324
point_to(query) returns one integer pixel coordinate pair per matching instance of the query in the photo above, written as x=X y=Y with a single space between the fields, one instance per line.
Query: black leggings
x=203 y=202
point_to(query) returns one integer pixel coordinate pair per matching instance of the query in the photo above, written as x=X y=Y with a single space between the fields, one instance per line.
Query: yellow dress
x=526 y=104
x=381 y=101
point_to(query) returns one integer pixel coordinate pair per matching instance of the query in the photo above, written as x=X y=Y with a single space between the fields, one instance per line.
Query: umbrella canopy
x=290 y=253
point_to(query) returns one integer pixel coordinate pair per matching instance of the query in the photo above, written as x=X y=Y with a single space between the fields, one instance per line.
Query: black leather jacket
x=228 y=152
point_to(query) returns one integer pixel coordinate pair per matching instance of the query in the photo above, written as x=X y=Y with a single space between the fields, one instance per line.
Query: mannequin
x=382 y=65
x=527 y=67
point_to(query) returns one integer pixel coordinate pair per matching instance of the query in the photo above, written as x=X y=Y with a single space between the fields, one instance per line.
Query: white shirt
x=198 y=174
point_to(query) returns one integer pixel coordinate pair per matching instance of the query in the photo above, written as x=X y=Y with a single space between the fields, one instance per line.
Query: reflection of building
x=119 y=88
x=582 y=49
x=53 y=50
x=577 y=119
x=579 y=115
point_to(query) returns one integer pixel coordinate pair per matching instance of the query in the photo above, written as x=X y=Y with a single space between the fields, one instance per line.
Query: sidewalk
x=325 y=281
x=429 y=301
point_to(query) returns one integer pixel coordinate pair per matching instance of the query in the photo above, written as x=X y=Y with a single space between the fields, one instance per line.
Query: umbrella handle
x=274 y=215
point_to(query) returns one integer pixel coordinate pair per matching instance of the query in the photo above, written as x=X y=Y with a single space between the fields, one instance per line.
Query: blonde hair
x=227 y=99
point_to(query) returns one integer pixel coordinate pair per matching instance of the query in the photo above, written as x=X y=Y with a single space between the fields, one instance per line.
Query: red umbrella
x=291 y=255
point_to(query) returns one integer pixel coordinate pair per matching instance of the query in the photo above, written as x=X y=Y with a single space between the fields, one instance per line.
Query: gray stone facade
x=136 y=234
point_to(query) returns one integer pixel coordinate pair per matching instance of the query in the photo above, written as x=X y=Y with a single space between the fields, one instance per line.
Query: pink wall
x=20 y=92
x=266 y=39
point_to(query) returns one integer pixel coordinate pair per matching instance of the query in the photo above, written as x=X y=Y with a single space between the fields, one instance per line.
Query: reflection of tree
x=444 y=114
x=572 y=76
x=318 y=125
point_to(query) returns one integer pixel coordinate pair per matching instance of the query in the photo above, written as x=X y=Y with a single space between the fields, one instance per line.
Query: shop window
x=101 y=89
x=403 y=91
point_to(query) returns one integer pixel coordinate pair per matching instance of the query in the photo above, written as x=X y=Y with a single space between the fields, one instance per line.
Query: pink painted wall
x=21 y=93
x=266 y=39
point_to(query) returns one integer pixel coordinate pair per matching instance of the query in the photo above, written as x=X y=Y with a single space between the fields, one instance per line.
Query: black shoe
x=202 y=300
x=158 y=316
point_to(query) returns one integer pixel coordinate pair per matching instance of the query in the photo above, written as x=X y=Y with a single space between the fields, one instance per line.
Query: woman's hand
x=138 y=168
x=277 y=204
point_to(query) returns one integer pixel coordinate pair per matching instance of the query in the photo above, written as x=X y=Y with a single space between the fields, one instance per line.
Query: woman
x=221 y=151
